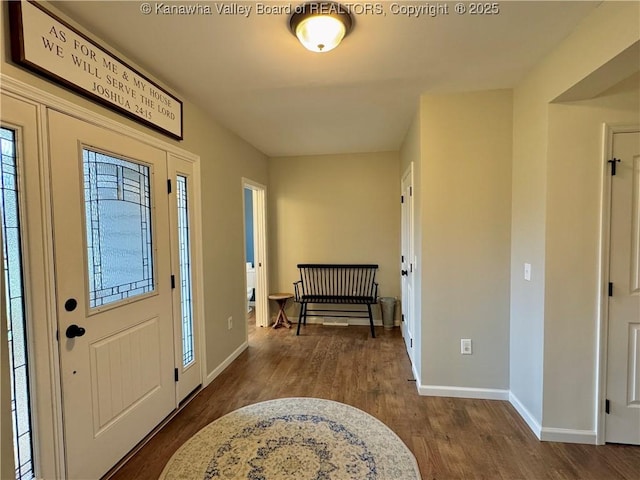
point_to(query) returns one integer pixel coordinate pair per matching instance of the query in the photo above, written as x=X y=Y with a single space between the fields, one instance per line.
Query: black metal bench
x=336 y=284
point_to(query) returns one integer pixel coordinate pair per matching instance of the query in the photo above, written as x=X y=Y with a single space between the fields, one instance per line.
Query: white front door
x=623 y=363
x=407 y=262
x=113 y=288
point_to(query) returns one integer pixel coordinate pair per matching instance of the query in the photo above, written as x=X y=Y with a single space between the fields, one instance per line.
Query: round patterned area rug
x=294 y=438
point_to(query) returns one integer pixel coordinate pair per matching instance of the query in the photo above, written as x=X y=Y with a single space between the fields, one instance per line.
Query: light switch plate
x=527 y=272
x=465 y=346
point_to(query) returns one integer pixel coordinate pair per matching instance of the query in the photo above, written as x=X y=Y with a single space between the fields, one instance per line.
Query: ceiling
x=252 y=75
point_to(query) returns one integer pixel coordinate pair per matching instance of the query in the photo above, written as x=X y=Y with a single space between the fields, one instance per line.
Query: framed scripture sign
x=49 y=46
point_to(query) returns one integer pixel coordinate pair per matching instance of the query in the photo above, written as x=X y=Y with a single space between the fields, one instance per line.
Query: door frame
x=608 y=132
x=411 y=307
x=47 y=414
x=40 y=300
x=259 y=249
x=197 y=270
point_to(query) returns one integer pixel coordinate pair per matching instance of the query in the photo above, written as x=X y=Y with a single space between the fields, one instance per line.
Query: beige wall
x=334 y=209
x=608 y=31
x=527 y=246
x=224 y=158
x=465 y=188
x=574 y=185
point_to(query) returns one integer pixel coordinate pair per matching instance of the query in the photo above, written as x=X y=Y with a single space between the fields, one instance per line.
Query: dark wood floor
x=451 y=438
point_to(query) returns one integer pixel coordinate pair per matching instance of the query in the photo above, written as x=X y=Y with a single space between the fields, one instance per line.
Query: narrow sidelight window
x=185 y=271
x=16 y=311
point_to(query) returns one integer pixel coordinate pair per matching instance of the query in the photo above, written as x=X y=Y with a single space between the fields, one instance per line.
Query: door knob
x=74 y=331
x=404 y=272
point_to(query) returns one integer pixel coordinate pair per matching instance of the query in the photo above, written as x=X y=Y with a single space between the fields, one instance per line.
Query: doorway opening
x=255 y=229
x=250 y=251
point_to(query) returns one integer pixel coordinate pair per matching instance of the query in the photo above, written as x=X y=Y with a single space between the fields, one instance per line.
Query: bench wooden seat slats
x=338 y=284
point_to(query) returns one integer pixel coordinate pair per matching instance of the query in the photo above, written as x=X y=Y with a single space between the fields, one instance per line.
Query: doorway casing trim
x=51 y=418
x=260 y=249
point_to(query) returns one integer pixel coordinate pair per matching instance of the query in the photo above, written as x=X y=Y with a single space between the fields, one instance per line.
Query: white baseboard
x=463 y=392
x=551 y=434
x=218 y=370
x=338 y=323
x=416 y=376
x=315 y=320
x=547 y=434
x=566 y=435
x=526 y=415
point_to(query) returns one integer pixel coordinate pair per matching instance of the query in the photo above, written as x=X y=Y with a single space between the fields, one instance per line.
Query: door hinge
x=607 y=406
x=411 y=191
x=411 y=343
x=175 y=374
x=610 y=289
x=613 y=162
x=403 y=317
x=402 y=258
x=173 y=281
x=169 y=185
x=401 y=198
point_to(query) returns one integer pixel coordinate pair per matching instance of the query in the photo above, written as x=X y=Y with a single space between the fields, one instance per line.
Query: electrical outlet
x=465 y=346
x=230 y=323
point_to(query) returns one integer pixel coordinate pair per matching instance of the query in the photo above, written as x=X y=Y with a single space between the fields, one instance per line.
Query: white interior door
x=113 y=287
x=408 y=260
x=623 y=363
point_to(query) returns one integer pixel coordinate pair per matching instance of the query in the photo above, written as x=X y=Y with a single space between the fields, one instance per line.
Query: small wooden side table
x=281 y=319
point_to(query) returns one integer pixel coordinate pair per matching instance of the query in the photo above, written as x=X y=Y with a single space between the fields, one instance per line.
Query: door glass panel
x=14 y=294
x=118 y=228
x=185 y=271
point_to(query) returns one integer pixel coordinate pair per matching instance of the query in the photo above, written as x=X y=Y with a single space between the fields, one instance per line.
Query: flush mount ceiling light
x=321 y=26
